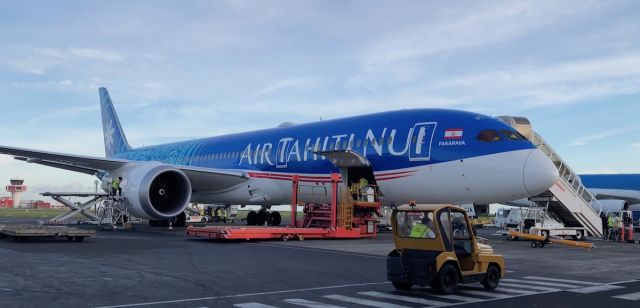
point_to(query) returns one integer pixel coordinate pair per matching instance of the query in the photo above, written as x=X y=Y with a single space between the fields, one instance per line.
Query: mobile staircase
x=567 y=200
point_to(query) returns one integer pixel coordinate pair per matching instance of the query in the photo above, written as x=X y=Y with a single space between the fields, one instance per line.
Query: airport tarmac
x=154 y=267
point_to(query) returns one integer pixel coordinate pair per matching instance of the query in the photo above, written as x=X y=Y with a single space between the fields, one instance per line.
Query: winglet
x=114 y=139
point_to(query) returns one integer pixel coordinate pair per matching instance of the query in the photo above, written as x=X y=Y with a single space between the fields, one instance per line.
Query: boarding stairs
x=568 y=199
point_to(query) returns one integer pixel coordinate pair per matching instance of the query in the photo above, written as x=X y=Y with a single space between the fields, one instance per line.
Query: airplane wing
x=200 y=178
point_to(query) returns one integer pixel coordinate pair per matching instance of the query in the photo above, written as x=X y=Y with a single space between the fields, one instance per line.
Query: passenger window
x=489 y=135
x=512 y=135
x=331 y=146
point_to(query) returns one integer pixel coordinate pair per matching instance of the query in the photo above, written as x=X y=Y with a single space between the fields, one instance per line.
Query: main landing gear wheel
x=579 y=236
x=261 y=218
x=251 y=218
x=447 y=280
x=275 y=219
x=492 y=279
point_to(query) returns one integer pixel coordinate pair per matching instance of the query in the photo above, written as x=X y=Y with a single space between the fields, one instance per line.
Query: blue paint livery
x=611 y=181
x=242 y=152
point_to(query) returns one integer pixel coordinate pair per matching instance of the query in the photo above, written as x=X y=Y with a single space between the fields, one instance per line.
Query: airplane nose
x=539 y=172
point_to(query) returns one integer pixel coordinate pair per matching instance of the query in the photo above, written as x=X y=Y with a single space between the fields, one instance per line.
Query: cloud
x=64 y=113
x=39 y=60
x=405 y=48
x=636 y=145
x=603 y=135
x=281 y=84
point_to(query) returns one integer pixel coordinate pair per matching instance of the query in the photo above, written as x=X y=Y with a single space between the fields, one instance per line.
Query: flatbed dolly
x=347 y=226
x=23 y=232
x=538 y=241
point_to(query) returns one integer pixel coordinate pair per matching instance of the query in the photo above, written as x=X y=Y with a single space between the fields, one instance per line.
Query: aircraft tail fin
x=114 y=139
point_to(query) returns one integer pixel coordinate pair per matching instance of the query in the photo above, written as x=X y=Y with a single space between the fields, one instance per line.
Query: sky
x=187 y=69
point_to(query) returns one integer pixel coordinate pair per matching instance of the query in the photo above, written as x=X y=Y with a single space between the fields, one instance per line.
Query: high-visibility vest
x=363 y=182
x=115 y=183
x=224 y=213
x=610 y=222
x=419 y=230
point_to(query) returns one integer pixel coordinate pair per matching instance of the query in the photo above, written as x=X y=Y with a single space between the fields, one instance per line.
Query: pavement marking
x=563 y=280
x=501 y=289
x=541 y=283
x=253 y=305
x=594 y=289
x=629 y=297
x=486 y=293
x=404 y=298
x=244 y=295
x=362 y=301
x=321 y=250
x=545 y=289
x=458 y=298
x=310 y=304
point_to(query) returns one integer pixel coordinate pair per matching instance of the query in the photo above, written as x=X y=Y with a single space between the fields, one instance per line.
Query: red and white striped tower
x=16 y=188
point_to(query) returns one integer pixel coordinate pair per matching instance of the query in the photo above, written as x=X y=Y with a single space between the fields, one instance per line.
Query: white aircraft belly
x=476 y=179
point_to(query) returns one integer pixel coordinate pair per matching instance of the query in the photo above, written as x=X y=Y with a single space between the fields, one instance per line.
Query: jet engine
x=154 y=191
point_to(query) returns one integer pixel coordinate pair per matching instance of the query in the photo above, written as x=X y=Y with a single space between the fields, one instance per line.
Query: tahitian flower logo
x=108 y=135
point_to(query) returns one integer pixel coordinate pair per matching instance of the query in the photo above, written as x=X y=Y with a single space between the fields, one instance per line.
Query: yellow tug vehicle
x=436 y=246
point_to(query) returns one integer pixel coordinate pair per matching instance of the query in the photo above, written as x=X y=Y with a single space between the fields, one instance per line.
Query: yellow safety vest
x=419 y=230
x=363 y=182
x=115 y=183
x=610 y=222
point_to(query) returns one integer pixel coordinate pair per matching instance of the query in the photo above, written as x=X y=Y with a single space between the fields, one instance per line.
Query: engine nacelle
x=154 y=190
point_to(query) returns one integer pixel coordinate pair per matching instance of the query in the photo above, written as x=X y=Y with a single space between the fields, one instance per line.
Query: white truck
x=535 y=220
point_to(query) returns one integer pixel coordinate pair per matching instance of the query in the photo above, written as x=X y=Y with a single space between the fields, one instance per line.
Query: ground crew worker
x=224 y=215
x=353 y=190
x=605 y=226
x=422 y=229
x=364 y=184
x=216 y=215
x=115 y=186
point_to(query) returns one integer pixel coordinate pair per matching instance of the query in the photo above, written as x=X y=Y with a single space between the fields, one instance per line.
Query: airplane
x=614 y=192
x=426 y=155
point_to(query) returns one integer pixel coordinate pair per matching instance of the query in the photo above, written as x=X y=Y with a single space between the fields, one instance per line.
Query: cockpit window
x=489 y=135
x=511 y=135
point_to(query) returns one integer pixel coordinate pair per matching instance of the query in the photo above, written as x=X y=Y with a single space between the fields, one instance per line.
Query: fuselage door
x=421 y=140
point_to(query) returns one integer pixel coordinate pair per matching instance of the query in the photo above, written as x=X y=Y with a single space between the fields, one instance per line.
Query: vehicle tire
x=579 y=236
x=261 y=218
x=544 y=233
x=492 y=279
x=541 y=245
x=404 y=286
x=534 y=244
x=447 y=280
x=276 y=219
x=203 y=219
x=251 y=218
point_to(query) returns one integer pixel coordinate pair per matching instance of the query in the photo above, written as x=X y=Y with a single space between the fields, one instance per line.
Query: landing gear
x=259 y=218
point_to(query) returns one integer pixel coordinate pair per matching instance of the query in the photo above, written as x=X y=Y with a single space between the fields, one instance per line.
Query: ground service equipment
x=540 y=241
x=436 y=246
x=342 y=218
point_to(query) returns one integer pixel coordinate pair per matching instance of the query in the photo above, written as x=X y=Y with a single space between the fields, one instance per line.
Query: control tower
x=16 y=188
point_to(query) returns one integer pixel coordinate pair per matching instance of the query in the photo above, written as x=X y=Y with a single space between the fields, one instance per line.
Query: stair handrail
x=581 y=190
